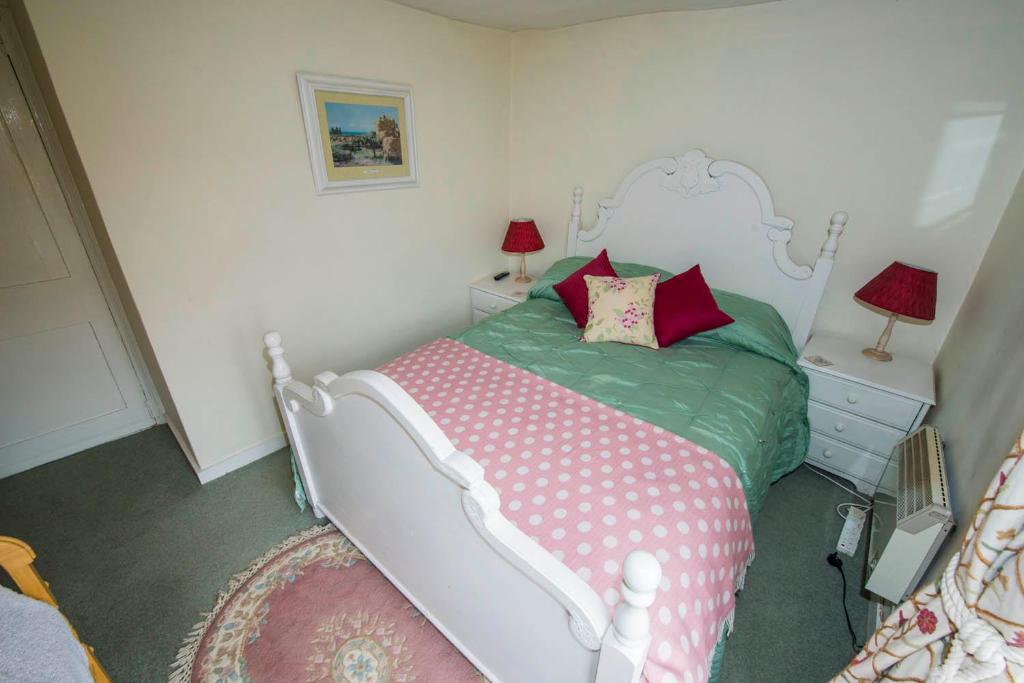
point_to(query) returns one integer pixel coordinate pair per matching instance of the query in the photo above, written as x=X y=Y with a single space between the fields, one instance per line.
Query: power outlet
x=850 y=535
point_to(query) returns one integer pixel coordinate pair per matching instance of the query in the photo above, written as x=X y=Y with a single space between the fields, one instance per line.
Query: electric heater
x=911 y=516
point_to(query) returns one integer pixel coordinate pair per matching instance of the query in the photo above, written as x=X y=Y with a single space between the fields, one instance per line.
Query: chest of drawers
x=859 y=408
x=488 y=296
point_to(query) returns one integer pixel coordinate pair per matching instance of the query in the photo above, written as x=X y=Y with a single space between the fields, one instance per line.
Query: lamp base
x=522 y=278
x=878 y=352
x=875 y=354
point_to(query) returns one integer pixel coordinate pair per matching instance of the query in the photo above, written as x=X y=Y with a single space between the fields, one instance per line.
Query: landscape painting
x=359 y=132
x=363 y=134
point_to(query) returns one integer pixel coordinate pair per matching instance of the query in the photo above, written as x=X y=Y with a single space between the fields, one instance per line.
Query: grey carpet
x=789 y=617
x=135 y=550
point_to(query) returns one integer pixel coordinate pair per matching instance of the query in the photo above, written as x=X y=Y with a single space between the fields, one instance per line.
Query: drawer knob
x=493 y=306
x=840 y=426
x=852 y=398
x=827 y=453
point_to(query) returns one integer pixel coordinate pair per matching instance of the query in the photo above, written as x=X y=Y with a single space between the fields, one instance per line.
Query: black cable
x=833 y=559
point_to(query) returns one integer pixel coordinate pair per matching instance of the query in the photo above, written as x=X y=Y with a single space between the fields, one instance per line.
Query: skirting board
x=240 y=459
x=9 y=468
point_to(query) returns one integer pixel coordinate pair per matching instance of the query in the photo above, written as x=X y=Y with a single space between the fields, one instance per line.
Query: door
x=66 y=380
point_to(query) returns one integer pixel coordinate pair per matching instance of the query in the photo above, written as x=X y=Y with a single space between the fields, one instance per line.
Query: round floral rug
x=314 y=609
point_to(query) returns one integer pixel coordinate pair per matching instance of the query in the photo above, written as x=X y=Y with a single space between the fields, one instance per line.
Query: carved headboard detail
x=676 y=212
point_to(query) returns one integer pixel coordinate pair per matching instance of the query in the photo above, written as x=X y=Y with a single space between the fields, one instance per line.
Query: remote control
x=849 y=537
x=501 y=276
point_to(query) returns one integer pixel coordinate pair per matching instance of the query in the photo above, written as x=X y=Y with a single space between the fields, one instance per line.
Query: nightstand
x=488 y=297
x=859 y=408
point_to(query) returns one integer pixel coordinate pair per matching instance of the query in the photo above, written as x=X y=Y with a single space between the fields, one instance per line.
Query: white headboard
x=676 y=212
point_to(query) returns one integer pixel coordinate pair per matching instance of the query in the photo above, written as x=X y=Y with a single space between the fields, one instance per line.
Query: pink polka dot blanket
x=589 y=484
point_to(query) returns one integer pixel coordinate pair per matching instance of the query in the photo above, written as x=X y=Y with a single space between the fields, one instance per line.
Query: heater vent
x=922 y=491
x=911 y=515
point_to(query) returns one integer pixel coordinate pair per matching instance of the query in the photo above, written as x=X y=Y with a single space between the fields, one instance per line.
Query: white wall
x=980 y=408
x=909 y=114
x=186 y=122
x=186 y=119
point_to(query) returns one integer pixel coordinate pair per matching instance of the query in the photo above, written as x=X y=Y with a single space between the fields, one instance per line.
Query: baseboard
x=239 y=459
x=11 y=466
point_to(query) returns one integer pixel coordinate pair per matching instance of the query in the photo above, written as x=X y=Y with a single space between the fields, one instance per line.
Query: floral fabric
x=621 y=310
x=921 y=641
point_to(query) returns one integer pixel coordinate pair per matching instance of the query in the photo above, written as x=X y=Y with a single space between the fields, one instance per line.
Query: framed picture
x=360 y=133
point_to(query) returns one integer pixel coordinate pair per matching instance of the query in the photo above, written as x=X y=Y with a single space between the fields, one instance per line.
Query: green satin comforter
x=736 y=390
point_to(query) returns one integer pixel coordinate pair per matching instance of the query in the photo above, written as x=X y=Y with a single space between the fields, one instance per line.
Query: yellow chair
x=16 y=558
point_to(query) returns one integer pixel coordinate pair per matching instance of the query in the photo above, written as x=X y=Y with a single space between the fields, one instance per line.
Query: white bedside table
x=488 y=297
x=859 y=408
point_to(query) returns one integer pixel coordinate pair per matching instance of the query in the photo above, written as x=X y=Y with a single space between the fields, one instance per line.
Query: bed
x=472 y=471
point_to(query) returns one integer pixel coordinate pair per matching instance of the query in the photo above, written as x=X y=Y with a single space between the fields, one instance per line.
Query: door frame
x=12 y=47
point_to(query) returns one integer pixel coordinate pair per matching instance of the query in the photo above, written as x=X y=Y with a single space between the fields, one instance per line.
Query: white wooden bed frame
x=384 y=473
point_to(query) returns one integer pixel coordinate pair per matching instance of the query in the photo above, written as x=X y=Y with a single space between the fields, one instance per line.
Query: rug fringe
x=181 y=668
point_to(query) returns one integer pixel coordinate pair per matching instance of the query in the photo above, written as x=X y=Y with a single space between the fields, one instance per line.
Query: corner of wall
x=980 y=409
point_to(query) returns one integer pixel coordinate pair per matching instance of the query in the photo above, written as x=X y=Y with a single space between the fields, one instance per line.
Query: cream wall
x=909 y=114
x=186 y=119
x=980 y=408
x=185 y=122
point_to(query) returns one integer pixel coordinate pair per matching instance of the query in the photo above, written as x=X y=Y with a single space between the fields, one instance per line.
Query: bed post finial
x=641 y=574
x=625 y=645
x=278 y=367
x=835 y=229
x=574 y=220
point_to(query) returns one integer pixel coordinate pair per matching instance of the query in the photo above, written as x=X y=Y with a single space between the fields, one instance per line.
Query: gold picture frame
x=359 y=132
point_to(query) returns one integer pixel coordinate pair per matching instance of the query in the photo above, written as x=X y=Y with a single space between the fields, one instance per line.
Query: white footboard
x=384 y=473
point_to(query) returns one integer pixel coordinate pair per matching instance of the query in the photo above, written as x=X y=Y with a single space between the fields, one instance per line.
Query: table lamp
x=522 y=237
x=900 y=291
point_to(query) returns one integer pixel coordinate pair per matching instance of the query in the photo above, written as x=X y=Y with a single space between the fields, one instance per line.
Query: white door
x=66 y=381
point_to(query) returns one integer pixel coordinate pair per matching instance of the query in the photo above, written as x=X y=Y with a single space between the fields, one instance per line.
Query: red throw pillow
x=573 y=289
x=684 y=306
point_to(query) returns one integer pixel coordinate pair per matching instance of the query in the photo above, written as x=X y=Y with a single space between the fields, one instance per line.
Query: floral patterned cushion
x=621 y=310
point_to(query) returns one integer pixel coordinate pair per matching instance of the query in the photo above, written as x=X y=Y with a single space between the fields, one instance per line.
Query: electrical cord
x=845 y=488
x=844 y=515
x=866 y=506
x=833 y=559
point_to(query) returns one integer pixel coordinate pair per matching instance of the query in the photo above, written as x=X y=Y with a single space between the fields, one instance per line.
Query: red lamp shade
x=522 y=237
x=907 y=291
